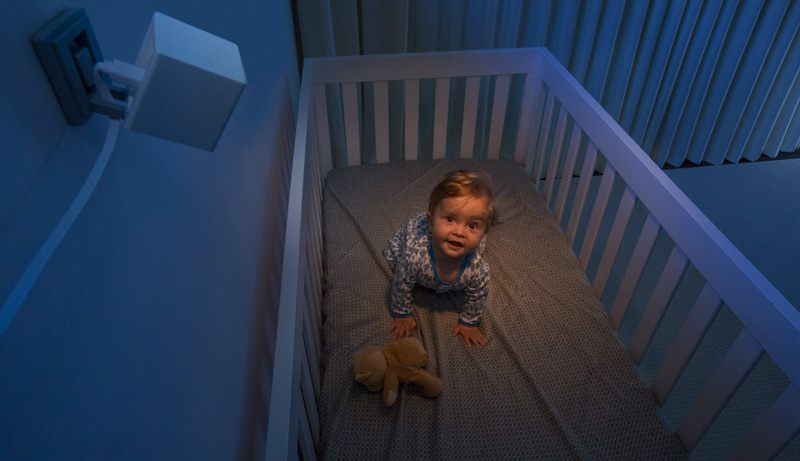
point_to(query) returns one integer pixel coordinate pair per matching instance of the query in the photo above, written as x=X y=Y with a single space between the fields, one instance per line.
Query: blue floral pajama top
x=410 y=256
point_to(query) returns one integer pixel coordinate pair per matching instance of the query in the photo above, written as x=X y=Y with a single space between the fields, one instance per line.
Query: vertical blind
x=689 y=80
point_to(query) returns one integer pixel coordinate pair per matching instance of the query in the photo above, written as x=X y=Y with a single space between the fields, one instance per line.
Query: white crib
x=548 y=94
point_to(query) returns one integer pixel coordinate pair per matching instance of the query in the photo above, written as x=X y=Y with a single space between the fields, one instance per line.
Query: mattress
x=552 y=381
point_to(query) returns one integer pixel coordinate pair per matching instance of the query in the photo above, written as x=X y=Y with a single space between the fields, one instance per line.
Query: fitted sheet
x=552 y=381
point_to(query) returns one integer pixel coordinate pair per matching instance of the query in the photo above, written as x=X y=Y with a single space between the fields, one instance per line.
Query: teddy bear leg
x=429 y=384
x=390 y=387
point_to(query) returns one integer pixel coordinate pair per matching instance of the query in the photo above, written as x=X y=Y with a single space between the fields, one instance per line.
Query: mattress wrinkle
x=552 y=381
x=529 y=384
x=405 y=189
x=360 y=231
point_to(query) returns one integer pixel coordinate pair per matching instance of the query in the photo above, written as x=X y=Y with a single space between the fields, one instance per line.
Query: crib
x=548 y=101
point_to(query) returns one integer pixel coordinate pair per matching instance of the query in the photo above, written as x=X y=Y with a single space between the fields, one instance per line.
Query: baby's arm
x=403 y=322
x=476 y=294
x=403 y=256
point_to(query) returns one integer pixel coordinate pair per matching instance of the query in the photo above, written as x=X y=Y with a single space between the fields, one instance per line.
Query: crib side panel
x=771 y=324
x=293 y=421
x=449 y=105
x=739 y=283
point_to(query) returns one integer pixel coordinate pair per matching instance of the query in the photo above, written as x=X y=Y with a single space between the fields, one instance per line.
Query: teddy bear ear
x=362 y=376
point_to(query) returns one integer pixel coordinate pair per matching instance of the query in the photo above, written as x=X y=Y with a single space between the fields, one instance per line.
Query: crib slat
x=641 y=253
x=312 y=273
x=735 y=366
x=316 y=337
x=316 y=177
x=569 y=167
x=309 y=250
x=440 y=117
x=313 y=225
x=774 y=430
x=536 y=131
x=284 y=399
x=305 y=438
x=555 y=153
x=314 y=254
x=529 y=120
x=352 y=136
x=314 y=235
x=323 y=133
x=316 y=276
x=314 y=326
x=470 y=116
x=544 y=134
x=304 y=444
x=311 y=346
x=381 y=99
x=501 y=85
x=412 y=119
x=614 y=240
x=309 y=401
x=313 y=287
x=685 y=344
x=603 y=193
x=316 y=313
x=589 y=161
x=314 y=150
x=659 y=300
x=314 y=213
x=314 y=270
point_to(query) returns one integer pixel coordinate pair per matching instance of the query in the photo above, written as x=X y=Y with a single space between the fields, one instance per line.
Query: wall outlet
x=68 y=50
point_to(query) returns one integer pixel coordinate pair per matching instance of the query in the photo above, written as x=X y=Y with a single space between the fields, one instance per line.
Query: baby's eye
x=450 y=219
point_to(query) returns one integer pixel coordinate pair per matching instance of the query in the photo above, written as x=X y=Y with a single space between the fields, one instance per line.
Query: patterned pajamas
x=410 y=256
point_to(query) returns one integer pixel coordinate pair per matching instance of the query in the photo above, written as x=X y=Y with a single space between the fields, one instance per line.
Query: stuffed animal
x=398 y=362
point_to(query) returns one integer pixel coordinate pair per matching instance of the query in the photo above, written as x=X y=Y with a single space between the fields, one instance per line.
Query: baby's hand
x=402 y=327
x=471 y=335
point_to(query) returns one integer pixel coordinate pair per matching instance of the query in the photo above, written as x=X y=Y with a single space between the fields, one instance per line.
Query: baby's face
x=457 y=226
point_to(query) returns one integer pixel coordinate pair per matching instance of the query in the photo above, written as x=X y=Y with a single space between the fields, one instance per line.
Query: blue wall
x=149 y=332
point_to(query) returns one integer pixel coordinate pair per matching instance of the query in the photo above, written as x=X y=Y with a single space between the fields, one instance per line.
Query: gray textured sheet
x=552 y=380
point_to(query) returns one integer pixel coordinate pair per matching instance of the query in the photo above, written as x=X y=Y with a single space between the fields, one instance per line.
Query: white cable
x=39 y=261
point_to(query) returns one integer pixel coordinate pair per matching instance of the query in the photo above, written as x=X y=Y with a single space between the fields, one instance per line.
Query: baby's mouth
x=455 y=244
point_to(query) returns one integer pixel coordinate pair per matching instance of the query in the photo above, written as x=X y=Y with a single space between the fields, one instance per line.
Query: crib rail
x=556 y=129
x=293 y=422
x=771 y=323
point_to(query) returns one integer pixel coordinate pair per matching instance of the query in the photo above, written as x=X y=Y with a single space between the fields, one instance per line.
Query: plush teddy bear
x=398 y=362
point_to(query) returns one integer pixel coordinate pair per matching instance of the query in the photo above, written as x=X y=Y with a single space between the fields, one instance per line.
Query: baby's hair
x=463 y=183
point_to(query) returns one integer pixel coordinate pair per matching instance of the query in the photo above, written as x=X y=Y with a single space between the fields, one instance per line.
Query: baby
x=441 y=249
